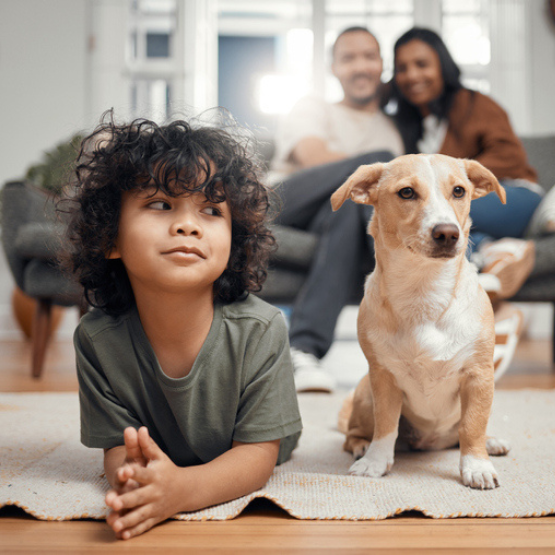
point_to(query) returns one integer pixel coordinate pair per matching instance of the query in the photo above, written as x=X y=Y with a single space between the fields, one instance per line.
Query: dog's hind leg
x=356 y=445
x=497 y=447
x=360 y=427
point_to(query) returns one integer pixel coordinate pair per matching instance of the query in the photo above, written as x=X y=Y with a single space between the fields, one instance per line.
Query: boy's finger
x=133 y=499
x=110 y=497
x=123 y=474
x=148 y=446
x=112 y=517
x=130 y=485
x=132 y=518
x=139 y=529
x=141 y=474
x=132 y=444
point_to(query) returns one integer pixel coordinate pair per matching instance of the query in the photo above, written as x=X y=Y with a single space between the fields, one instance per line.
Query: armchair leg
x=41 y=335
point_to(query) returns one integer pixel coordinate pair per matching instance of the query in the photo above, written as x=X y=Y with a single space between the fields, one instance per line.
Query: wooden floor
x=263 y=527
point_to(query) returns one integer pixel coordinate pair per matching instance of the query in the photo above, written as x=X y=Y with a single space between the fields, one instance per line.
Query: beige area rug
x=47 y=472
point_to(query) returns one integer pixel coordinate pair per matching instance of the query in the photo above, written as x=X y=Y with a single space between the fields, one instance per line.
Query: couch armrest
x=296 y=248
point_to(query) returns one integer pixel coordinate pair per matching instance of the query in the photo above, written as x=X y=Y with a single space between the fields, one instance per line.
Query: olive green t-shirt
x=240 y=386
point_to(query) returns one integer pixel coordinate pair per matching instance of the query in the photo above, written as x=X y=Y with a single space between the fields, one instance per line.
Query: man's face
x=358 y=66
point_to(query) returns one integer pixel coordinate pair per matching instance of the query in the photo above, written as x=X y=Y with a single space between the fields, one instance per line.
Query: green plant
x=52 y=174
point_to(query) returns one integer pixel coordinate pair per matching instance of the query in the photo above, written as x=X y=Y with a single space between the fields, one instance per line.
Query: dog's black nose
x=445 y=235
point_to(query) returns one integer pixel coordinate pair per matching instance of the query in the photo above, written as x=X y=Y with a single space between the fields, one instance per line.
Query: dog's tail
x=345 y=413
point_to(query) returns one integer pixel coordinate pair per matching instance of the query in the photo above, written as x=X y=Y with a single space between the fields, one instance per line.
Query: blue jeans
x=493 y=220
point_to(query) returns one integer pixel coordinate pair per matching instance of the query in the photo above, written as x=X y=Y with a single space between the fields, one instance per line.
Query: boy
x=185 y=379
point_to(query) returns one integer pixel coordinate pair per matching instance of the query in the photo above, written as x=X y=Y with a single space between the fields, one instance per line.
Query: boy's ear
x=483 y=180
x=113 y=253
x=360 y=187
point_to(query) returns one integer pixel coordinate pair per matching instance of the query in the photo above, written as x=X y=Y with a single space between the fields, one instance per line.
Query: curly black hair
x=176 y=158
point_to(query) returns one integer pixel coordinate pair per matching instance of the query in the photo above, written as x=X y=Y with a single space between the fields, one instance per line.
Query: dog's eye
x=459 y=192
x=407 y=193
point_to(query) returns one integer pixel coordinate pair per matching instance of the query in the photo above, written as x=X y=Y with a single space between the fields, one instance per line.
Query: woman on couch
x=436 y=114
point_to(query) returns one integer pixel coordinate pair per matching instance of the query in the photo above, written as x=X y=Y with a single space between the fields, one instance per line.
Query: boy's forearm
x=113 y=459
x=239 y=471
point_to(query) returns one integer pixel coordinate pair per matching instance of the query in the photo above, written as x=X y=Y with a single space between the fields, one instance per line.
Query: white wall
x=542 y=72
x=522 y=70
x=42 y=78
x=109 y=78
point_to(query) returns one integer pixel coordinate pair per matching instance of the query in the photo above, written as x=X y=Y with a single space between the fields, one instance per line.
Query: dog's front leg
x=388 y=400
x=477 y=471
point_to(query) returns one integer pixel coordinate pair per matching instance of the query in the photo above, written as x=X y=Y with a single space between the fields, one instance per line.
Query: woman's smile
x=418 y=74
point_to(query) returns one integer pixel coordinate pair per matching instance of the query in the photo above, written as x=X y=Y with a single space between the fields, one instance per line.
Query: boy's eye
x=212 y=211
x=159 y=205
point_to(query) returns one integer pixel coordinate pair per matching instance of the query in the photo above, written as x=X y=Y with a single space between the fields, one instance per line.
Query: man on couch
x=319 y=145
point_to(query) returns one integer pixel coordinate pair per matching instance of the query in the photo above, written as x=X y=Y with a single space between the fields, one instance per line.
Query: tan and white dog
x=425 y=324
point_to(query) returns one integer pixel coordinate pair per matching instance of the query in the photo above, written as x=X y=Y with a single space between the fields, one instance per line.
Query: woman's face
x=418 y=74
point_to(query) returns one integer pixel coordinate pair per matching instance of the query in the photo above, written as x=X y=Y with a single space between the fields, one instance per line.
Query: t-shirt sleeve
x=308 y=118
x=103 y=416
x=268 y=408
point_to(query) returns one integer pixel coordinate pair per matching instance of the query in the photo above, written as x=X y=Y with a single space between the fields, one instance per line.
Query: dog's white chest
x=442 y=344
x=426 y=358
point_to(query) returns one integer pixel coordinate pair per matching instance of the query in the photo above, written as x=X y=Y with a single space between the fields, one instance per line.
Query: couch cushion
x=541 y=155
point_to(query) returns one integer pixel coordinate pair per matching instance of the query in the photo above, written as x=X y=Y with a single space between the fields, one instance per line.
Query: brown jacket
x=480 y=129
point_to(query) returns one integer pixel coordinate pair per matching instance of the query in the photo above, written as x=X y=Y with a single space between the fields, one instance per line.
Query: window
x=465 y=30
x=150 y=57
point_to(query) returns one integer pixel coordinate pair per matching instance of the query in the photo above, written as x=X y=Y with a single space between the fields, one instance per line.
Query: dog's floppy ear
x=483 y=180
x=360 y=187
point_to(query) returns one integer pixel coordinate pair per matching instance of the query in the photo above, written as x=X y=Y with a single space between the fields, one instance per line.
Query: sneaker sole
x=515 y=274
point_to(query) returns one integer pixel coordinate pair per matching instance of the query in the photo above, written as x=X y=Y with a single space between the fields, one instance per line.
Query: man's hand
x=314 y=151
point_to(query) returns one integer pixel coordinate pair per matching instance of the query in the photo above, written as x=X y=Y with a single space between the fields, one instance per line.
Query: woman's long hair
x=407 y=116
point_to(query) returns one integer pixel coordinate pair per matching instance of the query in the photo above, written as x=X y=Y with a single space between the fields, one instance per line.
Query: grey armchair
x=30 y=238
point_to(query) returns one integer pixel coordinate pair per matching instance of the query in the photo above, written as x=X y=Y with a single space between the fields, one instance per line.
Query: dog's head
x=421 y=202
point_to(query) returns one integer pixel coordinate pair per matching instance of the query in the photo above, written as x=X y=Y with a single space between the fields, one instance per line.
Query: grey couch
x=296 y=248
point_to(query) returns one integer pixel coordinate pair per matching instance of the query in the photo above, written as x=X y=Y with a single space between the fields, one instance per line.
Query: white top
x=433 y=135
x=344 y=129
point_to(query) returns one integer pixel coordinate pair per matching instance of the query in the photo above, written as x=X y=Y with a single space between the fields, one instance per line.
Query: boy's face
x=172 y=244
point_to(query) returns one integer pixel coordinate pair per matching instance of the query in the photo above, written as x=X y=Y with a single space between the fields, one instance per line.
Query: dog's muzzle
x=445 y=238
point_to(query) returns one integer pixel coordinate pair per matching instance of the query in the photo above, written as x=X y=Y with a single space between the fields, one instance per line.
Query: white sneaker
x=543 y=219
x=508 y=327
x=310 y=374
x=510 y=261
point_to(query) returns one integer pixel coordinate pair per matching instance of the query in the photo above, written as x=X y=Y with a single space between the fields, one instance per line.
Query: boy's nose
x=186 y=225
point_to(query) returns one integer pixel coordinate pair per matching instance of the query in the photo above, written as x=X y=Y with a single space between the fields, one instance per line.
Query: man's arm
x=166 y=489
x=314 y=151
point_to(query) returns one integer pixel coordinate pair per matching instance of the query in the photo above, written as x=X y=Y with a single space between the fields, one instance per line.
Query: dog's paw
x=497 y=447
x=359 y=448
x=478 y=473
x=371 y=467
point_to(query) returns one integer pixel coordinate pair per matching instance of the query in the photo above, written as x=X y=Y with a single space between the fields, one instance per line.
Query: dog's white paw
x=372 y=467
x=497 y=447
x=478 y=473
